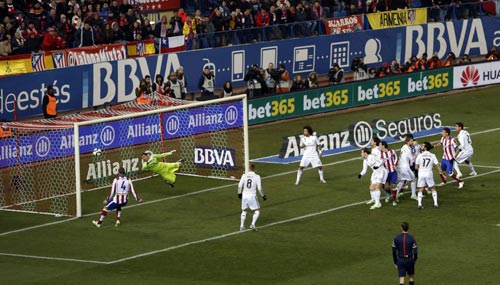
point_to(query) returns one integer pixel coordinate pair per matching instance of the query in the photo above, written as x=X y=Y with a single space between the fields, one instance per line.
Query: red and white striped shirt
x=449 y=146
x=390 y=159
x=120 y=188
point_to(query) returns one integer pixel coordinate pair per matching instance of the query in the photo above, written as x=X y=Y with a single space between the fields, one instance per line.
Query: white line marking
x=235 y=233
x=211 y=238
x=54 y=258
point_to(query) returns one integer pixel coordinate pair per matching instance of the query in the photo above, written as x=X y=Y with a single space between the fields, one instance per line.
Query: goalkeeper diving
x=166 y=170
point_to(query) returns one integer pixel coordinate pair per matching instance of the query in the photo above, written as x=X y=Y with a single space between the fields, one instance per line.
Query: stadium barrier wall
x=114 y=82
x=354 y=94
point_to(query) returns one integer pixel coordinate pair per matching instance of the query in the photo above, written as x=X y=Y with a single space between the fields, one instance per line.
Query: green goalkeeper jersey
x=164 y=169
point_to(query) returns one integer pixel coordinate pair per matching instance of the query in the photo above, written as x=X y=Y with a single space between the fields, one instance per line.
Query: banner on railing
x=344 y=25
x=156 y=5
x=397 y=18
x=141 y=48
x=89 y=55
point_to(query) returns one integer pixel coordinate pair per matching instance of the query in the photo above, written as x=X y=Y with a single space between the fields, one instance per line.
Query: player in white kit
x=465 y=150
x=312 y=154
x=424 y=164
x=250 y=183
x=378 y=178
x=405 y=172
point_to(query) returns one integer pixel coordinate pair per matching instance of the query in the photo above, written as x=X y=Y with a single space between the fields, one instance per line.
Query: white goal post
x=42 y=172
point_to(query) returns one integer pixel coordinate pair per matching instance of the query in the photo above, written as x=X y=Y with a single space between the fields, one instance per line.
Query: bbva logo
x=215 y=157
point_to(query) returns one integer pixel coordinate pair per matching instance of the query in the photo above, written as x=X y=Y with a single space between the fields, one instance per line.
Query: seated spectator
x=465 y=59
x=135 y=32
x=311 y=81
x=297 y=84
x=336 y=75
x=52 y=41
x=492 y=54
x=372 y=73
x=32 y=43
x=18 y=44
x=227 y=90
x=450 y=59
x=5 y=46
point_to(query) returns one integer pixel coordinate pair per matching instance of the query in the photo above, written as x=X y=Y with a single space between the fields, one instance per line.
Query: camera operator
x=336 y=75
x=206 y=85
x=360 y=68
x=254 y=80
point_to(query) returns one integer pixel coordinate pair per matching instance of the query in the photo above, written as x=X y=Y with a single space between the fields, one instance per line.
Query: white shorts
x=464 y=155
x=406 y=174
x=425 y=181
x=250 y=202
x=314 y=161
x=379 y=176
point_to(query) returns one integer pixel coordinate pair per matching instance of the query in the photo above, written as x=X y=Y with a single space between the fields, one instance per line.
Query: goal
x=41 y=170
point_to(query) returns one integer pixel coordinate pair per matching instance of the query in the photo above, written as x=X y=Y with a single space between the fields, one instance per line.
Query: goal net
x=42 y=171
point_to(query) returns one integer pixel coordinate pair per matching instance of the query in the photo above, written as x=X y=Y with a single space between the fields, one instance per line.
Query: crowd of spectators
x=41 y=25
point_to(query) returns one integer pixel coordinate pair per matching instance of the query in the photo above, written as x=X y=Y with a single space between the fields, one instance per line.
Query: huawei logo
x=470 y=75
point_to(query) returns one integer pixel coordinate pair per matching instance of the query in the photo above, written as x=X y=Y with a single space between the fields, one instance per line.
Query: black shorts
x=406 y=266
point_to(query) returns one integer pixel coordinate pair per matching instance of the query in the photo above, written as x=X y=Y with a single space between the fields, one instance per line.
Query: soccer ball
x=96 y=152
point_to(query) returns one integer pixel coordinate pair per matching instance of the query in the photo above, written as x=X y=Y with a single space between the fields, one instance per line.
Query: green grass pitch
x=311 y=234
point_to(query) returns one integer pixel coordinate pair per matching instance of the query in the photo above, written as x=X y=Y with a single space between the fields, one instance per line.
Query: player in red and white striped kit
x=449 y=146
x=118 y=197
x=391 y=163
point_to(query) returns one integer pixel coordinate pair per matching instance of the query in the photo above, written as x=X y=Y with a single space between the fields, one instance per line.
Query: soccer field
x=313 y=233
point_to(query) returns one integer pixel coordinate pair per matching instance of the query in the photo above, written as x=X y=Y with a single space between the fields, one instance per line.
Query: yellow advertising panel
x=15 y=66
x=397 y=18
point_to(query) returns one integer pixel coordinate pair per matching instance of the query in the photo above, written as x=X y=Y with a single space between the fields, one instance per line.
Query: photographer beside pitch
x=404 y=254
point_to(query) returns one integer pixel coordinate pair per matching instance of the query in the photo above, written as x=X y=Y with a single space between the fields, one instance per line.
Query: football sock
x=412 y=283
x=394 y=195
x=243 y=217
x=419 y=198
x=457 y=169
x=255 y=217
x=320 y=171
x=443 y=177
x=103 y=215
x=400 y=185
x=435 y=197
x=454 y=176
x=376 y=195
x=413 y=187
x=471 y=167
x=118 y=213
x=372 y=196
x=299 y=174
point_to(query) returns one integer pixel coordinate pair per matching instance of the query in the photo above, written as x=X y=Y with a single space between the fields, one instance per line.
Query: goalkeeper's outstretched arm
x=165 y=154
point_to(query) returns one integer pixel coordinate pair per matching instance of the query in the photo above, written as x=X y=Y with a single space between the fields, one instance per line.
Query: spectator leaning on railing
x=492 y=54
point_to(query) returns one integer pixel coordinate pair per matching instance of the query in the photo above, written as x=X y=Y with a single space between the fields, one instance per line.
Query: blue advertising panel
x=114 y=82
x=202 y=120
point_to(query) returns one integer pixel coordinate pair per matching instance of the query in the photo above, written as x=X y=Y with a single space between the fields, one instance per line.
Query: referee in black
x=404 y=254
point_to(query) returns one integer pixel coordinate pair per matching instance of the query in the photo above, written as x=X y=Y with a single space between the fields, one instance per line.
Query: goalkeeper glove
x=171 y=152
x=359 y=176
x=240 y=196
x=264 y=197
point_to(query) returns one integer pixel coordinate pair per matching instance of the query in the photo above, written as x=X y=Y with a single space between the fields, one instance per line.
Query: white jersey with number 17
x=426 y=161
